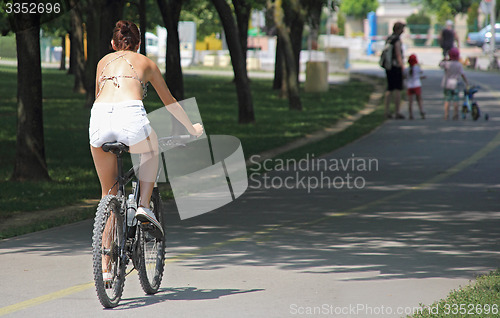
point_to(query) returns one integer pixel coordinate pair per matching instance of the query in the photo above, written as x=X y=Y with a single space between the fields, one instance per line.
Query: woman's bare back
x=122 y=76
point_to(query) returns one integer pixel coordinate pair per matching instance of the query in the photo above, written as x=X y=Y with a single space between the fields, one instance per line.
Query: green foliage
x=358 y=8
x=444 y=13
x=419 y=23
x=203 y=13
x=341 y=22
x=419 y=18
x=472 y=15
x=456 y=6
x=153 y=15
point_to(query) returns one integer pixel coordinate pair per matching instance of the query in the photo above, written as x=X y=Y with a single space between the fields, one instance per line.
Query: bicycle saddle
x=114 y=147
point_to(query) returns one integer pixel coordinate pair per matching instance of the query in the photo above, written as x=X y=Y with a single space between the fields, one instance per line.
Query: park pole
x=493 y=60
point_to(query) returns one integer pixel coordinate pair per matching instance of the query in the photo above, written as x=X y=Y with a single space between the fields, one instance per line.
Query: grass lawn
x=66 y=130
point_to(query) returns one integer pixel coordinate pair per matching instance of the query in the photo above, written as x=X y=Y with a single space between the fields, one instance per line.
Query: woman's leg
x=148 y=168
x=410 y=105
x=455 y=110
x=388 y=103
x=106 y=168
x=107 y=171
x=419 y=101
x=397 y=103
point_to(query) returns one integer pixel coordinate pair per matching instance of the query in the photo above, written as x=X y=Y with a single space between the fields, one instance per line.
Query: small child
x=413 y=75
x=453 y=69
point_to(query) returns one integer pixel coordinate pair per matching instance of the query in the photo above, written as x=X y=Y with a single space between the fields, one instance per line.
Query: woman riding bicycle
x=118 y=114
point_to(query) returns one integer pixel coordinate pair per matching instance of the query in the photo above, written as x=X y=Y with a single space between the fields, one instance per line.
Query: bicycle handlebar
x=174 y=141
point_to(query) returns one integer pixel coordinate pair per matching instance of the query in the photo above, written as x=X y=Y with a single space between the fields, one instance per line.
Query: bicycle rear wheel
x=152 y=251
x=106 y=240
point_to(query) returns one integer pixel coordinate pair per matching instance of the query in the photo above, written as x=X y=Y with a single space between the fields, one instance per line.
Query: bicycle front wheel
x=475 y=113
x=152 y=256
x=109 y=267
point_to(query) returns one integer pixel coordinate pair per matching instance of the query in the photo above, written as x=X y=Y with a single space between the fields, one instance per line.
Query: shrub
x=419 y=23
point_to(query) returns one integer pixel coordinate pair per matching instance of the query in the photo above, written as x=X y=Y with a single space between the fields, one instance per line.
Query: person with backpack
x=392 y=61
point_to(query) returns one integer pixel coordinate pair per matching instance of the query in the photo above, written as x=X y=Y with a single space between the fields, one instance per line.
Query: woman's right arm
x=171 y=103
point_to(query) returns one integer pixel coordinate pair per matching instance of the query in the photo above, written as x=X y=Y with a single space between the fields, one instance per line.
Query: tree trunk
x=100 y=25
x=242 y=8
x=111 y=11
x=294 y=21
x=142 y=23
x=71 y=54
x=170 y=11
x=77 y=54
x=92 y=28
x=296 y=30
x=30 y=161
x=278 y=65
x=314 y=20
x=62 y=66
x=238 y=60
x=289 y=57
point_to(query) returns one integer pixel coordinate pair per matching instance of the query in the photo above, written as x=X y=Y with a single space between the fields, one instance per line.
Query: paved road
x=425 y=221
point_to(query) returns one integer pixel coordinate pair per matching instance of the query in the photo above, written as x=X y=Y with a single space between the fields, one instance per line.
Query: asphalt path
x=395 y=219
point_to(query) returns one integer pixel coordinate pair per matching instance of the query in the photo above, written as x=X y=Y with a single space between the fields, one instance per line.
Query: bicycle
x=470 y=105
x=118 y=237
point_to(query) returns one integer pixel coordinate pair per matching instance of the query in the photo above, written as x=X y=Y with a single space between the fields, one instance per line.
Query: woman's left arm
x=156 y=79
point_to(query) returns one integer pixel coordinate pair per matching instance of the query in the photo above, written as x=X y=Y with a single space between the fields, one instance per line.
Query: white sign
x=485 y=6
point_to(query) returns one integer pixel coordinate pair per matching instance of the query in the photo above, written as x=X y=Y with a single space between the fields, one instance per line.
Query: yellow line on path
x=44 y=298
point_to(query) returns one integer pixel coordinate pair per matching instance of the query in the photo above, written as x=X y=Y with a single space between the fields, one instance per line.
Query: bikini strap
x=114 y=78
x=132 y=67
x=111 y=61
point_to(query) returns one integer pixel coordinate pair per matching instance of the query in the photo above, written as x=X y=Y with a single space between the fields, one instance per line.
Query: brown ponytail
x=126 y=35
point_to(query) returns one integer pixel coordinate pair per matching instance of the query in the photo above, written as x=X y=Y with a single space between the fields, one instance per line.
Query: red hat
x=412 y=60
x=454 y=54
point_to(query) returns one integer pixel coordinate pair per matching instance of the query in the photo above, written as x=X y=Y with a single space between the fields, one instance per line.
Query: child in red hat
x=413 y=75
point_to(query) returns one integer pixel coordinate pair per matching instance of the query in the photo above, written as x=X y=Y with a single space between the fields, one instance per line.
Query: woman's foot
x=399 y=116
x=422 y=115
x=146 y=215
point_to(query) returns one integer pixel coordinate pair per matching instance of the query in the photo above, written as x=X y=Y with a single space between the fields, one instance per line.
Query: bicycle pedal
x=147 y=226
x=152 y=230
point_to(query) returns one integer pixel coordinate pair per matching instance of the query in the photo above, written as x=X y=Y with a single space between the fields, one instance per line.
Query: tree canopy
x=456 y=6
x=358 y=8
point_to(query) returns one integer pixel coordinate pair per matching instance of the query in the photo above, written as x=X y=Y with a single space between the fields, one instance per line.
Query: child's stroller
x=470 y=105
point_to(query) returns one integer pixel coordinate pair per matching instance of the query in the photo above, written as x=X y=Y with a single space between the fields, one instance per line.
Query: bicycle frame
x=122 y=180
x=469 y=97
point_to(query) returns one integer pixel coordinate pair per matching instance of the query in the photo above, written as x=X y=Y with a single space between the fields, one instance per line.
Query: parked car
x=483 y=37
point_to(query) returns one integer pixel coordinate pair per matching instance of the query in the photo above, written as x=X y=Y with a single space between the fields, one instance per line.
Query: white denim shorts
x=125 y=122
